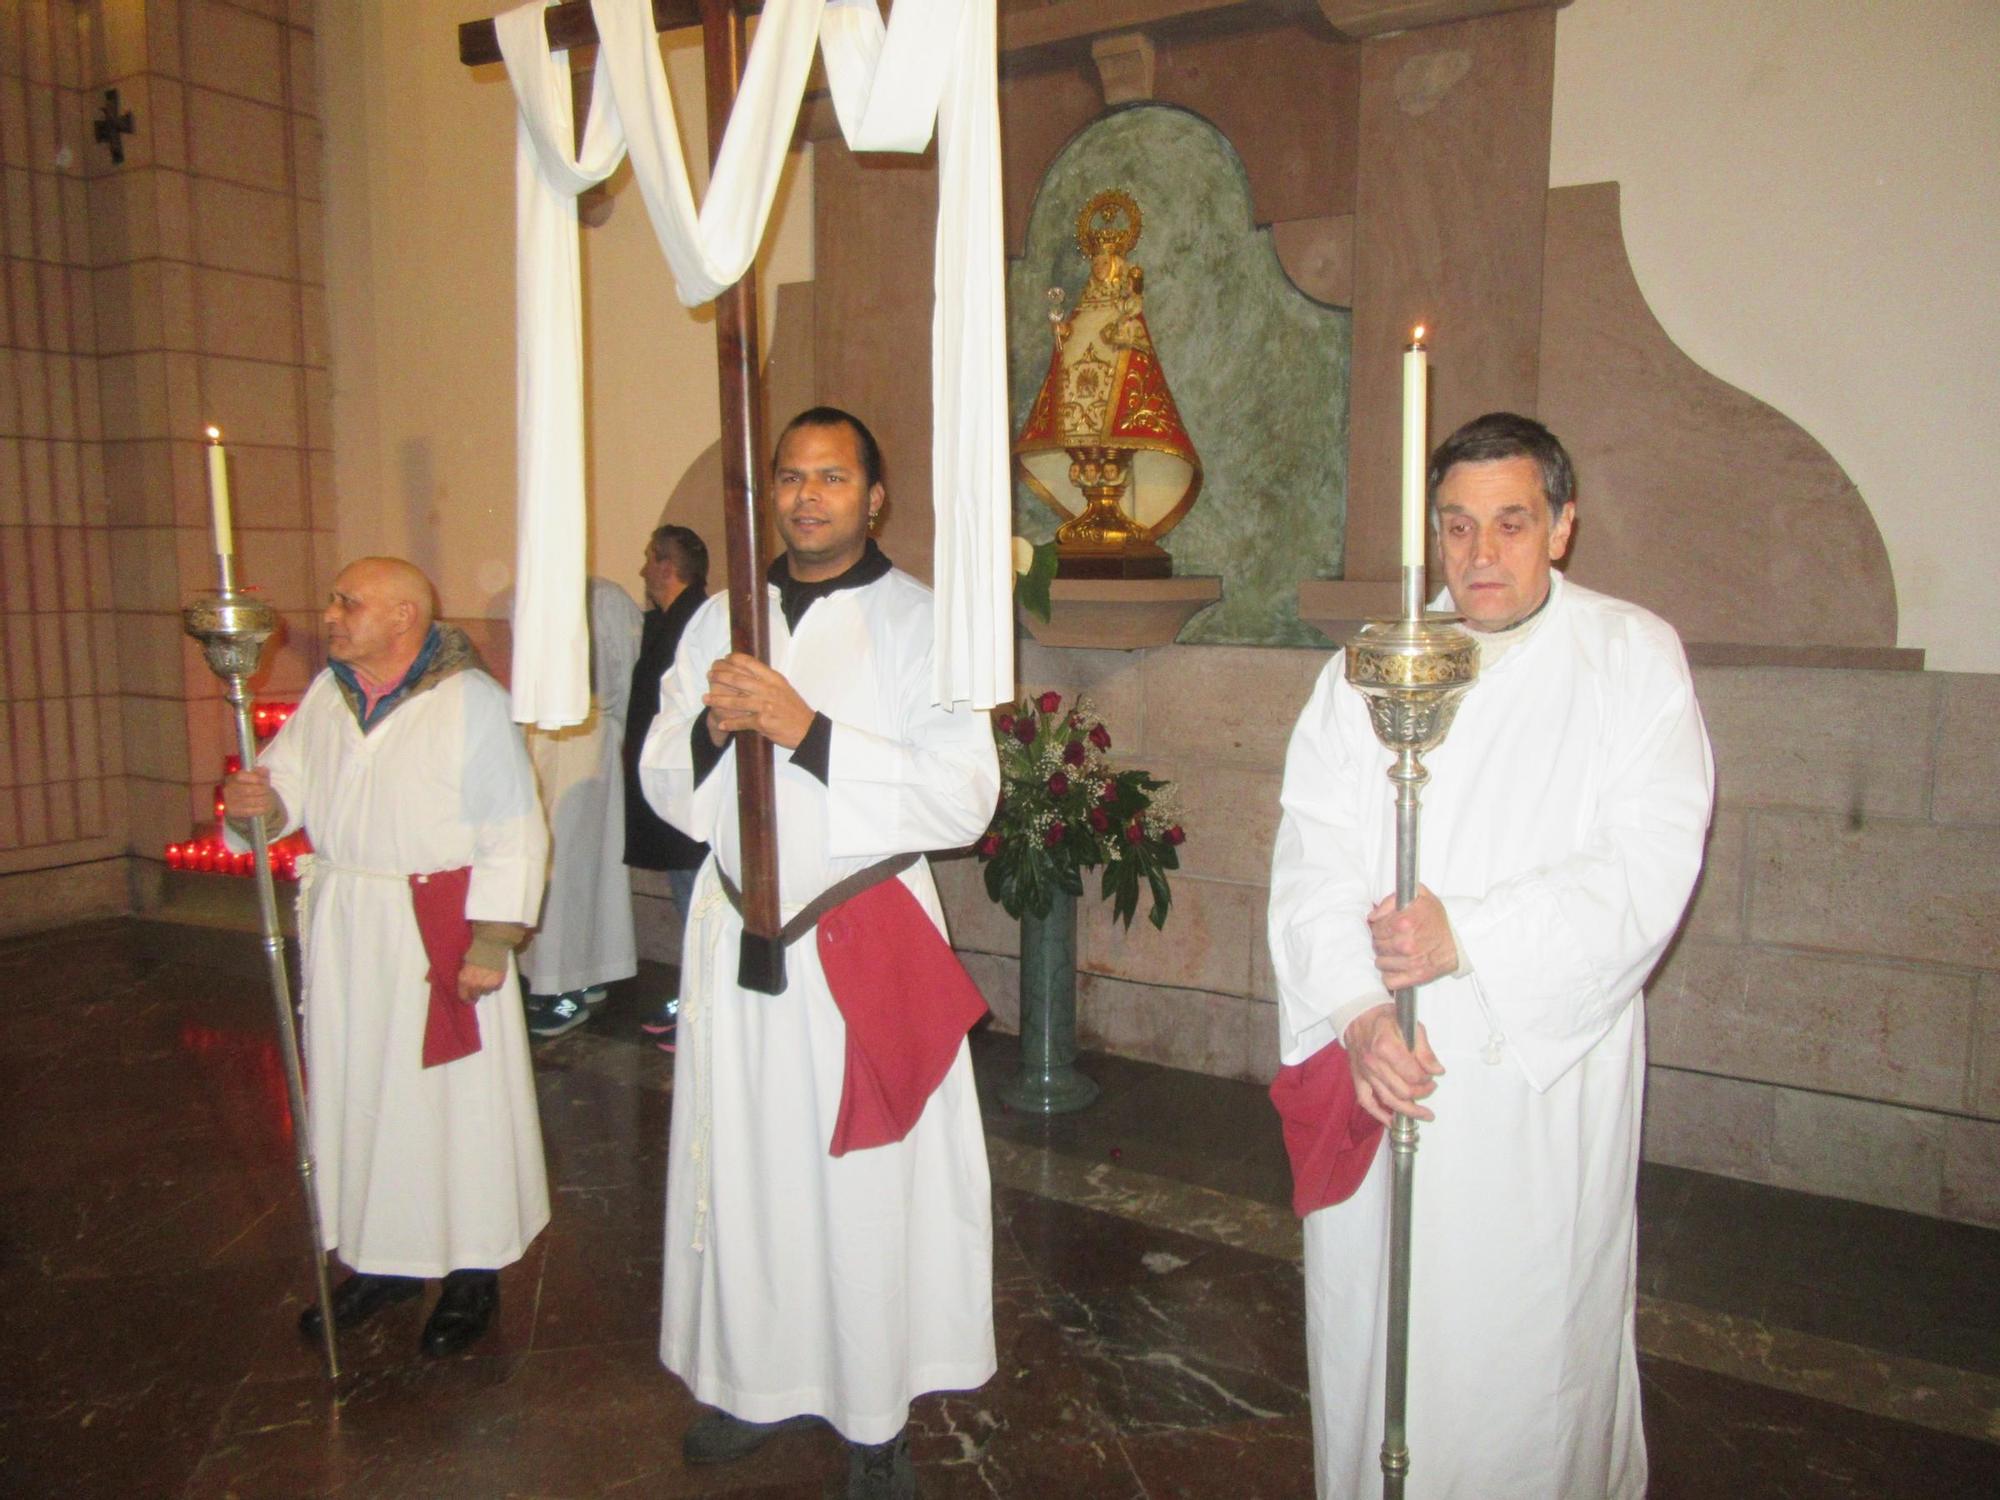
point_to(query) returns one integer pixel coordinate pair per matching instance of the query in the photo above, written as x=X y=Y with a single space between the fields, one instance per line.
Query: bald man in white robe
x=402 y=765
x=1562 y=833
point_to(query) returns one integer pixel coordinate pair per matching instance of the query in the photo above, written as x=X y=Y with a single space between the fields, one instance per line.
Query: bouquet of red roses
x=1064 y=810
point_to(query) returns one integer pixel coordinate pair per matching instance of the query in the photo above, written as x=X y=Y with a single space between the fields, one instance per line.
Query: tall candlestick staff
x=232 y=628
x=1413 y=671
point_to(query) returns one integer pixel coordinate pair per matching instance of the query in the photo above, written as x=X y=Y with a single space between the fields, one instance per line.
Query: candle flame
x=214 y=434
x=1417 y=334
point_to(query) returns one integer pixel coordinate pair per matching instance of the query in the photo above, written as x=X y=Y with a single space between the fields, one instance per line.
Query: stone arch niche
x=1699 y=501
x=1258 y=369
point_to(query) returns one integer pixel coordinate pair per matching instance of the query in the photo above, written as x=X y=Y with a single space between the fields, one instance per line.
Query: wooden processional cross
x=761 y=965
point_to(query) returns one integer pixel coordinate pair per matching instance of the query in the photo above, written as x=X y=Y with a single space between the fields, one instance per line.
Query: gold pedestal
x=1103 y=541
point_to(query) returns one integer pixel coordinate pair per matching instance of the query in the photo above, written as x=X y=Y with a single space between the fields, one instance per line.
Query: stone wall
x=143 y=300
x=62 y=799
x=1830 y=1017
x=210 y=308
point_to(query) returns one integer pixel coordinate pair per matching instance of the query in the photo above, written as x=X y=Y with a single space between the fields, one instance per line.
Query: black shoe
x=359 y=1298
x=464 y=1310
x=881 y=1471
x=719 y=1438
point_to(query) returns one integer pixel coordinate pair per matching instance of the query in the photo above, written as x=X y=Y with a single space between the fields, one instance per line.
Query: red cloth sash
x=907 y=1002
x=451 y=1029
x=1330 y=1138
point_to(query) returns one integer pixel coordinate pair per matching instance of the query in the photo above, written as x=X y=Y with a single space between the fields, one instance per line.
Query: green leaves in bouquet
x=1140 y=855
x=1026 y=880
x=1064 y=809
x=1032 y=587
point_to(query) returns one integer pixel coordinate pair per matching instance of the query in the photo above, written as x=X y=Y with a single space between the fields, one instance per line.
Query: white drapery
x=935 y=62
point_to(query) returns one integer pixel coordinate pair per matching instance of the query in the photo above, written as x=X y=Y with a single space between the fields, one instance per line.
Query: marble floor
x=1147 y=1279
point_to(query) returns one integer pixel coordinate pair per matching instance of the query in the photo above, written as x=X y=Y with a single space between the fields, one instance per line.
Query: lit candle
x=1416 y=382
x=218 y=493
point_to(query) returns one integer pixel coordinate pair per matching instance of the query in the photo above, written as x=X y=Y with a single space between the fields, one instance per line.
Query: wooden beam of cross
x=570 y=25
x=761 y=961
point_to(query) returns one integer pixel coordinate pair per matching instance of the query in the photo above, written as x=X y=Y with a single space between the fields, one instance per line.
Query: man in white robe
x=401 y=762
x=585 y=939
x=800 y=1285
x=1562 y=833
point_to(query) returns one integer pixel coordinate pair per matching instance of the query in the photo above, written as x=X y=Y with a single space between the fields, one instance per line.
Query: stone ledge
x=1337 y=607
x=1831 y=658
x=1121 y=614
x=35 y=900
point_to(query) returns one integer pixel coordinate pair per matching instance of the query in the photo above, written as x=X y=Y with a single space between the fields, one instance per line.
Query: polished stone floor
x=1148 y=1291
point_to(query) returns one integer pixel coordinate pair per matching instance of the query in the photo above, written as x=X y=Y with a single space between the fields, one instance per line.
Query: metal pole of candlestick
x=1413 y=671
x=232 y=628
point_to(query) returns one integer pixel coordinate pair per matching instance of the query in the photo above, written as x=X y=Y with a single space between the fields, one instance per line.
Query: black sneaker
x=881 y=1471
x=556 y=1015
x=718 y=1438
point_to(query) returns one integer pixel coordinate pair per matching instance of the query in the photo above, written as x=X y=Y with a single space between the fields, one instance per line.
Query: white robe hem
x=432 y=1270
x=856 y=1427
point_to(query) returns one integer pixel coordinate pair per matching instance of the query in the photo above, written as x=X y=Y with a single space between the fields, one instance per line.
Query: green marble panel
x=1258 y=368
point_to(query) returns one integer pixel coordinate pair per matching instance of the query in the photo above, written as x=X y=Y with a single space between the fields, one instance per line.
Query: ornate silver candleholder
x=232 y=628
x=1413 y=671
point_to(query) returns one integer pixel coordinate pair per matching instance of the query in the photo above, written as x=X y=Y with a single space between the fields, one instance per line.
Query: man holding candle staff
x=402 y=764
x=1563 y=829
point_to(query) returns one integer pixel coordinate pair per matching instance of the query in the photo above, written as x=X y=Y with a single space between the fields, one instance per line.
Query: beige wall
x=420 y=256
x=1813 y=213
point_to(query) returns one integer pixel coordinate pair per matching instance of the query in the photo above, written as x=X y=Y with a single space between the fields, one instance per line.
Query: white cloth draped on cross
x=934 y=62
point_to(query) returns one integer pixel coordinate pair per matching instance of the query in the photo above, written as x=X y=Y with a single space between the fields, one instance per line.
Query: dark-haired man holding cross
x=829 y=1239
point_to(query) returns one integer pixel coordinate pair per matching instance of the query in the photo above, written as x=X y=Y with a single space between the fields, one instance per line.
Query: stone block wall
x=1829 y=1018
x=144 y=299
x=211 y=308
x=62 y=800
x=1198 y=994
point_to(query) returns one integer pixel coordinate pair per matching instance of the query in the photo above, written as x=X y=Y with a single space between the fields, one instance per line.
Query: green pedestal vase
x=1048 y=1083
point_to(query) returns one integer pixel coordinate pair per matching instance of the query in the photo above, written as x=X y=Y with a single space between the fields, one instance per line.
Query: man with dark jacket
x=676 y=577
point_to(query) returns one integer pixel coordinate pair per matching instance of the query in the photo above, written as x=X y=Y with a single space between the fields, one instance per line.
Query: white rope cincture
x=696 y=1032
x=307 y=867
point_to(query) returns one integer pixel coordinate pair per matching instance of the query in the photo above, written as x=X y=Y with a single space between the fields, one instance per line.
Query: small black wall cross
x=112 y=125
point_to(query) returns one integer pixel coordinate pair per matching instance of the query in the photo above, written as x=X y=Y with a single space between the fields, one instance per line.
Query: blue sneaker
x=555 y=1015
